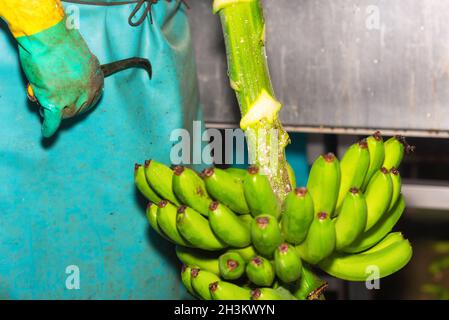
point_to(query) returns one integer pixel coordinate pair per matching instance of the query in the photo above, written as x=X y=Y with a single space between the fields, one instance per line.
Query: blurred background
x=344 y=69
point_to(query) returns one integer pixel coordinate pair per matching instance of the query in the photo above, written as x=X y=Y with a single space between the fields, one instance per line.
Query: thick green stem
x=244 y=32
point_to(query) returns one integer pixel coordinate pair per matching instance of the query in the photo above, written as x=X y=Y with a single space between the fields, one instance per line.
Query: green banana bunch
x=351 y=219
x=259 y=195
x=353 y=166
x=228 y=226
x=232 y=265
x=190 y=189
x=387 y=258
x=266 y=234
x=228 y=223
x=196 y=230
x=320 y=240
x=226 y=188
x=324 y=183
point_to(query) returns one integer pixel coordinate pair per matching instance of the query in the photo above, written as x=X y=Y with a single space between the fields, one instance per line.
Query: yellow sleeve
x=27 y=17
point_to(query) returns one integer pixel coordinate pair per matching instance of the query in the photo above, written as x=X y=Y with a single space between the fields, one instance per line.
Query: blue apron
x=70 y=202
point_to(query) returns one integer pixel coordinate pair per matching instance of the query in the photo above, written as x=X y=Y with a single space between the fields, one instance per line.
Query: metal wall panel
x=341 y=64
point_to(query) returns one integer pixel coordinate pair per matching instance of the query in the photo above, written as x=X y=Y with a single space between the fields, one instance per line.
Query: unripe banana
x=394 y=152
x=260 y=271
x=309 y=286
x=279 y=293
x=291 y=176
x=201 y=279
x=397 y=184
x=227 y=226
x=287 y=263
x=151 y=213
x=200 y=259
x=297 y=215
x=232 y=265
x=351 y=219
x=354 y=166
x=237 y=173
x=369 y=238
x=266 y=234
x=222 y=290
x=389 y=239
x=259 y=195
x=196 y=230
x=166 y=220
x=376 y=154
x=378 y=197
x=358 y=267
x=190 y=189
x=186 y=278
x=324 y=183
x=320 y=240
x=246 y=253
x=226 y=188
x=142 y=185
x=160 y=178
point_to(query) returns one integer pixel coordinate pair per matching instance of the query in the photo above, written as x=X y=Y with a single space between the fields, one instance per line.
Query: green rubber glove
x=64 y=76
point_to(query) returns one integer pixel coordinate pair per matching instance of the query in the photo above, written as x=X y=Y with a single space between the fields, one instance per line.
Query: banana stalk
x=244 y=33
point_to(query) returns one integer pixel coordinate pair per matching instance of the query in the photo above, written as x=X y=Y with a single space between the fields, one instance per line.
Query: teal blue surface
x=70 y=200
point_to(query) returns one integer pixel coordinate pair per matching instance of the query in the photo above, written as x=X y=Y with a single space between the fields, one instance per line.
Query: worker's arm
x=65 y=77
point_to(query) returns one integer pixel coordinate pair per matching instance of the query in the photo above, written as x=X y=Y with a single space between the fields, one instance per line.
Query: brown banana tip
x=182 y=209
x=394 y=171
x=231 y=264
x=322 y=215
x=384 y=170
x=194 y=272
x=377 y=135
x=262 y=222
x=137 y=166
x=213 y=205
x=408 y=148
x=177 y=170
x=354 y=190
x=162 y=203
x=318 y=292
x=301 y=192
x=255 y=294
x=149 y=204
x=147 y=163
x=283 y=248
x=253 y=170
x=208 y=172
x=257 y=261
x=329 y=157
x=363 y=144
x=213 y=286
x=183 y=268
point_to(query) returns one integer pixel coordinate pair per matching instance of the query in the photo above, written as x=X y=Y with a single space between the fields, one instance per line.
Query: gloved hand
x=64 y=76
